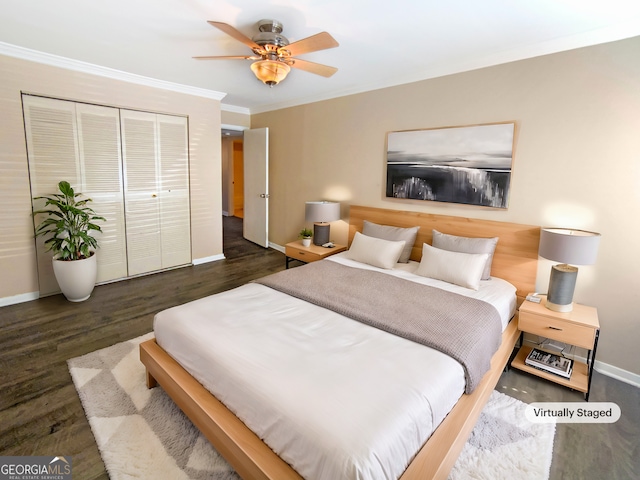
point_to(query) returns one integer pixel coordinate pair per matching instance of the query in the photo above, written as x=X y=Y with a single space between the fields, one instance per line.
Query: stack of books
x=550 y=362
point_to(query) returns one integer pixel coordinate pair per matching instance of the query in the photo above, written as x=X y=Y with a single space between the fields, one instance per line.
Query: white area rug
x=142 y=434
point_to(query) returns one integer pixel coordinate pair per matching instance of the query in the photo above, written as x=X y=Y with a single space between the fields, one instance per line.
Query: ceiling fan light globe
x=270 y=72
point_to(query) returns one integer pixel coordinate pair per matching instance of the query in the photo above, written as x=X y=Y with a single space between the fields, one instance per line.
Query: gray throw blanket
x=467 y=329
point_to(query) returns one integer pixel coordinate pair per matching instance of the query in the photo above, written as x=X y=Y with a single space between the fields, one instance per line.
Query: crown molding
x=84 y=67
x=233 y=109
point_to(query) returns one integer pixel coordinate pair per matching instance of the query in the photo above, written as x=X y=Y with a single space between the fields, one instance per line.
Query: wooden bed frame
x=515 y=260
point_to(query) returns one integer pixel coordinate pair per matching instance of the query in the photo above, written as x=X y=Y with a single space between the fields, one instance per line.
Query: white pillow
x=375 y=251
x=395 y=234
x=454 y=243
x=464 y=269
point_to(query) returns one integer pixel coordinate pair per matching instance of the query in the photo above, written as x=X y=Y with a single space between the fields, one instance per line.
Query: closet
x=133 y=165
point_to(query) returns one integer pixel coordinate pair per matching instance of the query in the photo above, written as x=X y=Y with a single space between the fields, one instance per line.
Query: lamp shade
x=322 y=212
x=577 y=247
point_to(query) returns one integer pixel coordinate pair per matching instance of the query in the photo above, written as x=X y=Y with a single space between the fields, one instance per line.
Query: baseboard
x=617 y=373
x=277 y=247
x=213 y=258
x=23 y=297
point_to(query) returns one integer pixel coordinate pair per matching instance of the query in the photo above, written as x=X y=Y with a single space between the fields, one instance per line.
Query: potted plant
x=306 y=235
x=67 y=231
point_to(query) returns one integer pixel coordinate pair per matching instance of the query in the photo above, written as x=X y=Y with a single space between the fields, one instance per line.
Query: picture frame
x=467 y=164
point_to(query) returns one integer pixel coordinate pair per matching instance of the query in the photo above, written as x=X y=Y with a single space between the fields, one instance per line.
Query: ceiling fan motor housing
x=270 y=34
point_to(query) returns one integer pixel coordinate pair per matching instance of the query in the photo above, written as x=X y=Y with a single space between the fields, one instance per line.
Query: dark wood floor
x=40 y=413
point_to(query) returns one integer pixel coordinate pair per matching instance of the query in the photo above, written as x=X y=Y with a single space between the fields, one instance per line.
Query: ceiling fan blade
x=319 y=41
x=228 y=57
x=311 y=67
x=232 y=31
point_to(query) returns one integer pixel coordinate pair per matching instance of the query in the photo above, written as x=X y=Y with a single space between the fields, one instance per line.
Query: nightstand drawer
x=312 y=253
x=557 y=329
x=303 y=255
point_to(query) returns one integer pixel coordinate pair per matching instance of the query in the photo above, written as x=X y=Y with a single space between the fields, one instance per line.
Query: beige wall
x=577 y=162
x=17 y=253
x=236 y=119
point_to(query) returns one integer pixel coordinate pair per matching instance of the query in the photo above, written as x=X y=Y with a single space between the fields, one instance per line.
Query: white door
x=142 y=206
x=101 y=168
x=256 y=186
x=175 y=212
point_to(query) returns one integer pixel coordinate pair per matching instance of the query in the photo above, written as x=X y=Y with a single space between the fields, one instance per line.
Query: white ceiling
x=382 y=43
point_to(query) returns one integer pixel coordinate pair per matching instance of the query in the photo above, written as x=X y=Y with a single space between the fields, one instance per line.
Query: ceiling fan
x=274 y=55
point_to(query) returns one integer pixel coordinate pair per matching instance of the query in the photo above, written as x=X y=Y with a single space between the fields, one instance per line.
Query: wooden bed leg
x=151 y=382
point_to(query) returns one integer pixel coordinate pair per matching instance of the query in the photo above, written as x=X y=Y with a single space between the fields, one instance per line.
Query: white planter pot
x=306 y=242
x=76 y=278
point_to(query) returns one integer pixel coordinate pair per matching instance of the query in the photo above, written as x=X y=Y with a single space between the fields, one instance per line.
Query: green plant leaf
x=68 y=223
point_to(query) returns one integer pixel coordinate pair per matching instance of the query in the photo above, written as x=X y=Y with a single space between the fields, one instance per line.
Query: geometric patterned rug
x=142 y=434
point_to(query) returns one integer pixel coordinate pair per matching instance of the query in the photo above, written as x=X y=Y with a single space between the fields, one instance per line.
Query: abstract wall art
x=469 y=165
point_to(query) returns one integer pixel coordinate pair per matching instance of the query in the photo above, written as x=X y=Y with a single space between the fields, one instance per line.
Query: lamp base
x=561 y=287
x=321 y=233
x=559 y=308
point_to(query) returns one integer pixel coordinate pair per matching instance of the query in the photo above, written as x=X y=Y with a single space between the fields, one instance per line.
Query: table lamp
x=321 y=213
x=566 y=246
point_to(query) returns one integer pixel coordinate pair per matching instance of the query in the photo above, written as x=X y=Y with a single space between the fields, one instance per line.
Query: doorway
x=238 y=177
x=232 y=172
x=245 y=190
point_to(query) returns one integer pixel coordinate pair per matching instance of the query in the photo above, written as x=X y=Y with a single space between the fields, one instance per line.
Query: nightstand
x=312 y=253
x=579 y=327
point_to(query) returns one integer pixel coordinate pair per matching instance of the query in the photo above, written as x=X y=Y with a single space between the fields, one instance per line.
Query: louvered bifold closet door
x=142 y=206
x=175 y=224
x=52 y=148
x=101 y=168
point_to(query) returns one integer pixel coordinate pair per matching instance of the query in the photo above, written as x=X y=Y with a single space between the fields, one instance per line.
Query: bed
x=514 y=261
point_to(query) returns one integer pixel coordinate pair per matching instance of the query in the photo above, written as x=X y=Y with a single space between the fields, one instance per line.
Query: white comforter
x=335 y=398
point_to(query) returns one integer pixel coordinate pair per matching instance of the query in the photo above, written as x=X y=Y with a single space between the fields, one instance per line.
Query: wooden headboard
x=516 y=255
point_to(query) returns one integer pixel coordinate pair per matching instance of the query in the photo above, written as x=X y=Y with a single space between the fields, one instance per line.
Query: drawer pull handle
x=555 y=328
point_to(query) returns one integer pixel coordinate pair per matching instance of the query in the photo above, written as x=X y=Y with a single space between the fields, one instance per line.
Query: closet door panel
x=52 y=150
x=101 y=170
x=142 y=206
x=174 y=191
